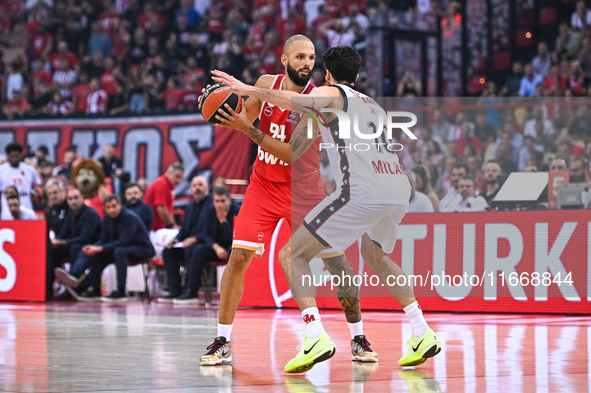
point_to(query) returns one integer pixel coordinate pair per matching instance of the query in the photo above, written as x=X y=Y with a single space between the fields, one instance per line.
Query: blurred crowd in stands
x=113 y=57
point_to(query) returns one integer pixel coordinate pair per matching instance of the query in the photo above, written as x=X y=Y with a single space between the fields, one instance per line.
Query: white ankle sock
x=418 y=325
x=311 y=318
x=356 y=329
x=225 y=331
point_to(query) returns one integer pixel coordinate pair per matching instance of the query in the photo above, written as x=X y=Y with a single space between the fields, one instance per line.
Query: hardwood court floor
x=141 y=347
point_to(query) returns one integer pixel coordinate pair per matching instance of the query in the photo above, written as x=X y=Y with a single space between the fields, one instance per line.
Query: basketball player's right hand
x=234 y=84
x=231 y=119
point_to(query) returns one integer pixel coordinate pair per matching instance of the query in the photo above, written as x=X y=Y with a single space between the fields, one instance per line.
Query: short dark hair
x=469 y=178
x=43 y=149
x=458 y=166
x=112 y=197
x=14 y=146
x=13 y=196
x=221 y=191
x=493 y=161
x=131 y=184
x=71 y=149
x=343 y=62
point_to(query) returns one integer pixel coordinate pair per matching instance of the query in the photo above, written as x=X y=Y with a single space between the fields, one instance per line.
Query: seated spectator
x=440 y=126
x=504 y=158
x=470 y=201
x=513 y=82
x=14 y=79
x=424 y=185
x=45 y=171
x=525 y=153
x=192 y=232
x=580 y=19
x=134 y=203
x=59 y=106
x=82 y=226
x=17 y=212
x=97 y=99
x=159 y=196
x=123 y=240
x=191 y=15
x=110 y=161
x=18 y=106
x=108 y=77
x=99 y=41
x=538 y=116
x=80 y=93
x=541 y=63
x=527 y=86
x=483 y=130
x=57 y=208
x=558 y=163
x=492 y=171
x=119 y=101
x=64 y=79
x=577 y=80
x=66 y=168
x=567 y=42
x=216 y=243
x=555 y=81
x=63 y=53
x=419 y=202
x=579 y=170
x=467 y=139
x=473 y=164
x=452 y=199
x=173 y=96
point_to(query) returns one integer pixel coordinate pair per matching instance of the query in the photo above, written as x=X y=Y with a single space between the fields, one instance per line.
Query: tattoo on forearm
x=256 y=135
x=299 y=139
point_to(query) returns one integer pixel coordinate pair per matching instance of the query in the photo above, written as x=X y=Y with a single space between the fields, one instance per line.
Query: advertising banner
x=146 y=145
x=23 y=251
x=529 y=261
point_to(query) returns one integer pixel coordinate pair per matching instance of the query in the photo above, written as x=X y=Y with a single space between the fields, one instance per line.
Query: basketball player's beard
x=296 y=78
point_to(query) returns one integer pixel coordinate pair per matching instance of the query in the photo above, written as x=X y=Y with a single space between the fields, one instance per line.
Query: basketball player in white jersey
x=368 y=202
x=15 y=173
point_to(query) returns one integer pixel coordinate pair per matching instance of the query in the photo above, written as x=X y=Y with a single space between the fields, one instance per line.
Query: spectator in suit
x=82 y=226
x=190 y=234
x=159 y=196
x=123 y=239
x=57 y=208
x=134 y=202
x=110 y=161
x=216 y=242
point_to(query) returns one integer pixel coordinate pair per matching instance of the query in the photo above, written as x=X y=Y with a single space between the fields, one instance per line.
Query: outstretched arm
x=286 y=151
x=319 y=98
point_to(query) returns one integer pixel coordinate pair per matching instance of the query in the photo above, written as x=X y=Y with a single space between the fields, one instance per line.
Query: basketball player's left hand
x=234 y=84
x=233 y=119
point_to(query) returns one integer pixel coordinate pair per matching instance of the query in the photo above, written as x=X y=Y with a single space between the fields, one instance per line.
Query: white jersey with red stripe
x=365 y=171
x=279 y=123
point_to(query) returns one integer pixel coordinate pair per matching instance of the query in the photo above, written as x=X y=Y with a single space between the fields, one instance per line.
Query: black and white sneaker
x=65 y=278
x=115 y=297
x=186 y=298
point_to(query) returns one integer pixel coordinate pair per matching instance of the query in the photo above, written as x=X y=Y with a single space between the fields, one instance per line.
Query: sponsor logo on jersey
x=268 y=111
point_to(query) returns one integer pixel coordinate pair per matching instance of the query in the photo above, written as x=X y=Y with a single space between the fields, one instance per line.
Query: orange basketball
x=214 y=98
